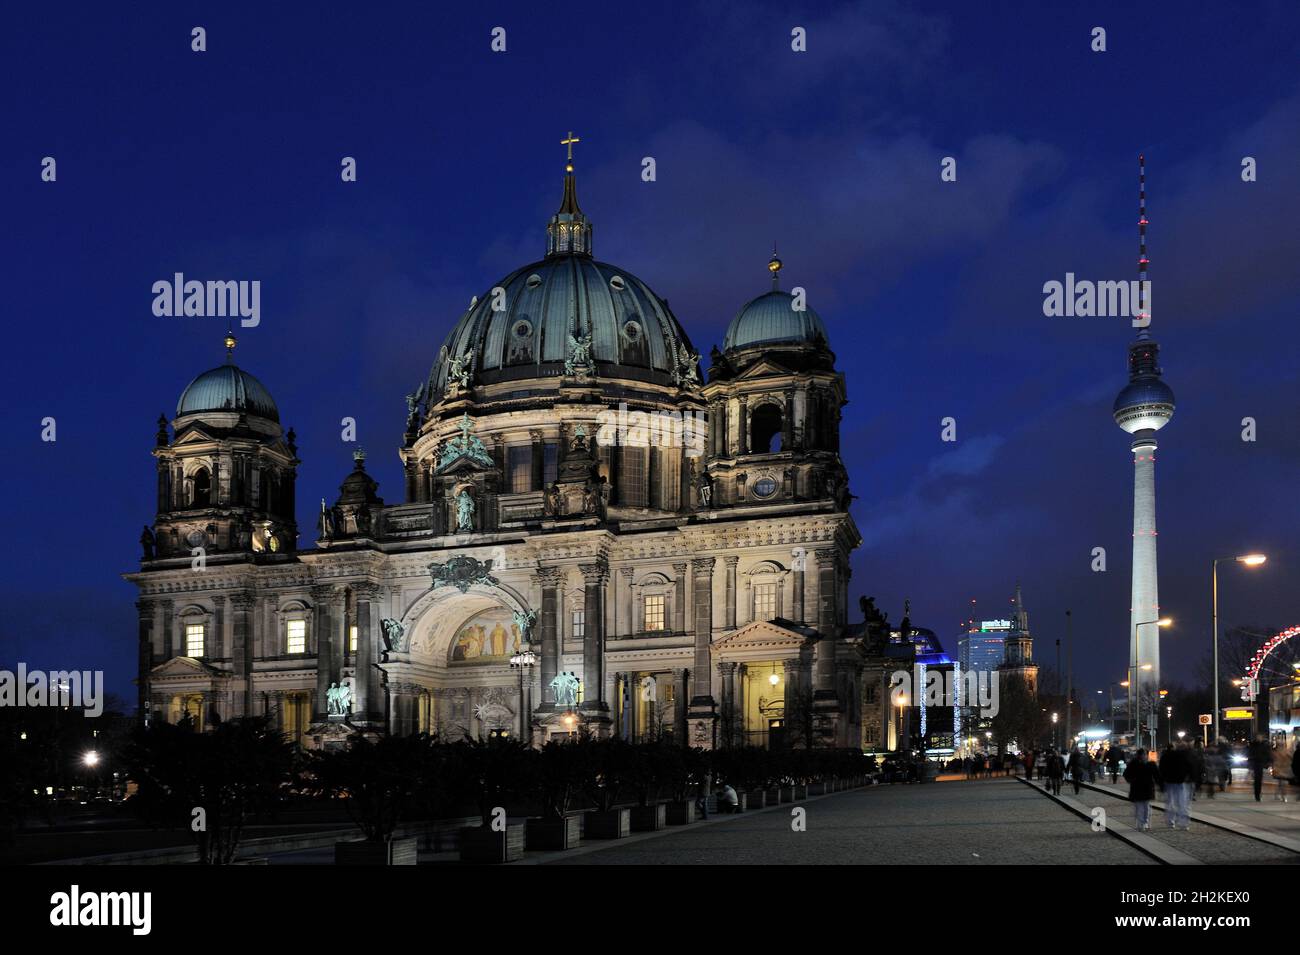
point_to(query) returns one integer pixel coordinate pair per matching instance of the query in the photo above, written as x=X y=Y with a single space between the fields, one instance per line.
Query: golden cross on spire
x=569 y=141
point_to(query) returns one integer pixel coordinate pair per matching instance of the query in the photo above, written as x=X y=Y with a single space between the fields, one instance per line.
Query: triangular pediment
x=765 y=635
x=194 y=434
x=184 y=668
x=764 y=368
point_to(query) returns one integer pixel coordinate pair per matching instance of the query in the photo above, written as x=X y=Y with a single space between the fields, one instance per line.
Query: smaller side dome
x=772 y=318
x=227 y=388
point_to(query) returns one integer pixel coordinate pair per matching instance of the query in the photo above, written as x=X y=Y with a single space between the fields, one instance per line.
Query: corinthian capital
x=594 y=573
x=549 y=577
x=703 y=565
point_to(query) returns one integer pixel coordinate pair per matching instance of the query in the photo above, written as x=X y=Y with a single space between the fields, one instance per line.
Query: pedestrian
x=1112 y=763
x=702 y=799
x=1258 y=756
x=1077 y=766
x=728 y=800
x=1055 y=771
x=1196 y=766
x=1027 y=758
x=1175 y=774
x=1141 y=775
x=1281 y=768
x=1213 y=775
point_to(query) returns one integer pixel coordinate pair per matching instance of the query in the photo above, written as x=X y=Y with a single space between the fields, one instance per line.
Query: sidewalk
x=1236 y=805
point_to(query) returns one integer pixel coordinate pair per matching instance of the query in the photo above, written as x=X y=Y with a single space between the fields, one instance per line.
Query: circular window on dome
x=631 y=331
x=617 y=283
x=523 y=328
x=765 y=487
x=533 y=280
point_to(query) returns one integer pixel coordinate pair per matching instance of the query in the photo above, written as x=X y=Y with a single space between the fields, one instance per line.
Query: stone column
x=680 y=695
x=594 y=576
x=787 y=422
x=538 y=460
x=144 y=660
x=742 y=436
x=322 y=596
x=219 y=648
x=548 y=578
x=627 y=614
x=797 y=604
x=241 y=652
x=363 y=703
x=679 y=598
x=702 y=711
x=728 y=674
x=731 y=563
x=824 y=695
x=168 y=629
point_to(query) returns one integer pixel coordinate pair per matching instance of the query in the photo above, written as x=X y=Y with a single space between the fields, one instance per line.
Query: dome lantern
x=569 y=231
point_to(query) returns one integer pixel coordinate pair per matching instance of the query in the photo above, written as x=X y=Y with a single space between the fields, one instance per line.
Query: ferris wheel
x=1275 y=663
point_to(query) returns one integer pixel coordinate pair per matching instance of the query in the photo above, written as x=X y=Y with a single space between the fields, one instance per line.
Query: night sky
x=225 y=164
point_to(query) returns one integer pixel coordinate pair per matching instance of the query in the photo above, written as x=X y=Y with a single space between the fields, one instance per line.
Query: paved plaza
x=980 y=822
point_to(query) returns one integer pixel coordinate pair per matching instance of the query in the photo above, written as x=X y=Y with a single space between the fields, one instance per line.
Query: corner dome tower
x=227 y=388
x=774 y=318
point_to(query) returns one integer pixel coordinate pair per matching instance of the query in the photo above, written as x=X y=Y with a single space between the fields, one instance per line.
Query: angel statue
x=394 y=631
x=524 y=620
x=579 y=354
x=687 y=370
x=565 y=688
x=458 y=370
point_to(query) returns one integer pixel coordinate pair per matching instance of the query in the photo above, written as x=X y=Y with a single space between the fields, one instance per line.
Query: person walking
x=1142 y=776
x=1213 y=775
x=1258 y=756
x=1112 y=763
x=1055 y=771
x=1175 y=772
x=1196 y=768
x=1027 y=758
x=1281 y=768
x=1077 y=765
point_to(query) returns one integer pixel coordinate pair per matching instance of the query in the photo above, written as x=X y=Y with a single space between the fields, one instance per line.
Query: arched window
x=202 y=488
x=765 y=429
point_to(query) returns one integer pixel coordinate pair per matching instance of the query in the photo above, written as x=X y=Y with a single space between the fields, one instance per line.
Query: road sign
x=1205 y=719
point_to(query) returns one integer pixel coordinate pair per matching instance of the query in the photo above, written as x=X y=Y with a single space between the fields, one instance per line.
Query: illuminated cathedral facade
x=597 y=533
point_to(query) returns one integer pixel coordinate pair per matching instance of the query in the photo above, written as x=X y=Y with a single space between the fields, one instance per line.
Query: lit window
x=579 y=623
x=194 y=640
x=765 y=601
x=296 y=636
x=654 y=612
x=352 y=639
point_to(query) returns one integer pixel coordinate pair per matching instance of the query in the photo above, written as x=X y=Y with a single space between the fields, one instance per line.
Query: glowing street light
x=1249 y=560
x=91 y=759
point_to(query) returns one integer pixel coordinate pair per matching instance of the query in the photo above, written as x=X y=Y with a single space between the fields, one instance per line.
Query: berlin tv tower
x=1142 y=408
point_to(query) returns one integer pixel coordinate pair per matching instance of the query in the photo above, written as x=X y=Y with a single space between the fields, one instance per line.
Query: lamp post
x=1250 y=560
x=523 y=659
x=898 y=738
x=1053 y=730
x=1134 y=667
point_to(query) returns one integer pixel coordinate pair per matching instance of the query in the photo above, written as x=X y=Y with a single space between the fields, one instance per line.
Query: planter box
x=552 y=834
x=681 y=813
x=787 y=794
x=650 y=818
x=482 y=845
x=798 y=792
x=772 y=796
x=816 y=789
x=754 y=799
x=614 y=824
x=365 y=852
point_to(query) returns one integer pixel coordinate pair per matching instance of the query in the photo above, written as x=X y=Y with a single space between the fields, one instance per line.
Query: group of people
x=1182 y=769
x=987 y=765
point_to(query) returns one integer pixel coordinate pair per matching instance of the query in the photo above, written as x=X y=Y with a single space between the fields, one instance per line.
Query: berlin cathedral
x=595 y=535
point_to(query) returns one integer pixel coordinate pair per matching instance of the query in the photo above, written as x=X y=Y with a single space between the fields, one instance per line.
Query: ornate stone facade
x=654 y=531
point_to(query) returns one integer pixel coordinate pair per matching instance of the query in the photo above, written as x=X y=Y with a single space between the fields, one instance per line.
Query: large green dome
x=521 y=327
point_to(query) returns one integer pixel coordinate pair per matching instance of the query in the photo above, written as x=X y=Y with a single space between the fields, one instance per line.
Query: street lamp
x=1250 y=560
x=523 y=659
x=898 y=740
x=1133 y=666
x=1053 y=729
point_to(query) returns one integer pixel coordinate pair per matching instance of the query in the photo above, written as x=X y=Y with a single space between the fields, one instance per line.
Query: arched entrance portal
x=454 y=676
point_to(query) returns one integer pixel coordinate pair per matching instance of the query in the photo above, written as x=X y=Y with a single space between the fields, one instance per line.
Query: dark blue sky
x=225 y=164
